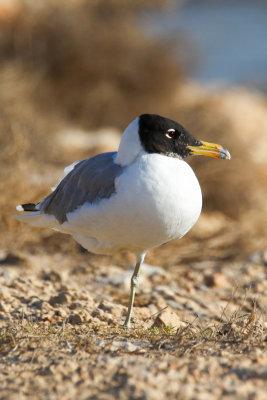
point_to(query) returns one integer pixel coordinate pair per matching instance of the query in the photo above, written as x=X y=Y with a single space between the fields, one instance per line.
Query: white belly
x=157 y=200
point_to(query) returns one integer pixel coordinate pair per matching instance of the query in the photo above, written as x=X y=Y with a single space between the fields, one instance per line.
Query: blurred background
x=74 y=74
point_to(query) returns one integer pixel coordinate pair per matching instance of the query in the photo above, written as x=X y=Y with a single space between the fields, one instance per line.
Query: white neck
x=130 y=145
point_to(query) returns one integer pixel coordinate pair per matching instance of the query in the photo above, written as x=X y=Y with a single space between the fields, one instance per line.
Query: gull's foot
x=127 y=324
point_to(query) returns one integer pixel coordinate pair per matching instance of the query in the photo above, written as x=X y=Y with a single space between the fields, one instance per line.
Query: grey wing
x=90 y=180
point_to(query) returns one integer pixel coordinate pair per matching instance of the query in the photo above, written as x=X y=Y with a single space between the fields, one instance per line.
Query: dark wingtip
x=27 y=207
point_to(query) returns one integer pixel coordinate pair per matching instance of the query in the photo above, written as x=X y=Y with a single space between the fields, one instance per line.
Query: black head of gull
x=159 y=135
x=165 y=136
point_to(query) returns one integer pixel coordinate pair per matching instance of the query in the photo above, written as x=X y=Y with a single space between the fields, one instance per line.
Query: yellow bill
x=211 y=150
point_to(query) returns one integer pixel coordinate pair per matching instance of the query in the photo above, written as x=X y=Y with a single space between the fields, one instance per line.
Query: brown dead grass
x=242 y=330
x=84 y=65
x=98 y=76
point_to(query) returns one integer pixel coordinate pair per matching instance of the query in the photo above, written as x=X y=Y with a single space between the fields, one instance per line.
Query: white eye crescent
x=170 y=133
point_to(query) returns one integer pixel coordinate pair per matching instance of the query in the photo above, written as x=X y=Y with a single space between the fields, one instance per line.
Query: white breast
x=157 y=199
x=163 y=198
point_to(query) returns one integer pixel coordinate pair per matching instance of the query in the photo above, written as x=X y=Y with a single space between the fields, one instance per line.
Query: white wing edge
x=67 y=170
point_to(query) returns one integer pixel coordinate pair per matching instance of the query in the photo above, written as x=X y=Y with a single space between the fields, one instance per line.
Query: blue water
x=223 y=42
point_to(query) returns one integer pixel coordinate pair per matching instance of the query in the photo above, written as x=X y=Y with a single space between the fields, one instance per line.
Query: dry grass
x=240 y=330
x=99 y=77
x=95 y=77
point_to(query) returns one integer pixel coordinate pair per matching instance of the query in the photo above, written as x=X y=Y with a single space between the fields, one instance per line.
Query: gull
x=135 y=199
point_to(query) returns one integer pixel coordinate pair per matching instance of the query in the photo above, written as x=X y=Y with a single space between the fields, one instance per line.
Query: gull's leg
x=134 y=284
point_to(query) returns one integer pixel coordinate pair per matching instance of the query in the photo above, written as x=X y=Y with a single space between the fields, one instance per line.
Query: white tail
x=38 y=219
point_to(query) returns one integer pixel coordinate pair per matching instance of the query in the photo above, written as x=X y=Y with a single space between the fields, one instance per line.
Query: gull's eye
x=170 y=133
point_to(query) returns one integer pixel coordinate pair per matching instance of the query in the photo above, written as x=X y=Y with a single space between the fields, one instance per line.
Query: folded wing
x=89 y=181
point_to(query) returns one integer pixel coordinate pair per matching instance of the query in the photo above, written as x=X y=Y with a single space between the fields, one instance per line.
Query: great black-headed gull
x=134 y=199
